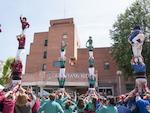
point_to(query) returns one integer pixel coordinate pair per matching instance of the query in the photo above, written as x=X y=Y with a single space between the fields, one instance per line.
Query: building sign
x=50 y=78
x=68 y=75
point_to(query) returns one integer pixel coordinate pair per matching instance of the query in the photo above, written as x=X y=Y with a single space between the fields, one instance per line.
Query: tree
x=6 y=73
x=137 y=14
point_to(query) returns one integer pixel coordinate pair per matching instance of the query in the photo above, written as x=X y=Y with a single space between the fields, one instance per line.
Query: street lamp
x=119 y=73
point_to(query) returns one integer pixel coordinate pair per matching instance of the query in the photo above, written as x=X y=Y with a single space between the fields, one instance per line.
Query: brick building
x=41 y=70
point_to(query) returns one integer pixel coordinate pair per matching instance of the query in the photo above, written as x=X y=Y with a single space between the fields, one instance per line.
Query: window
x=45 y=42
x=106 y=66
x=44 y=66
x=106 y=90
x=45 y=55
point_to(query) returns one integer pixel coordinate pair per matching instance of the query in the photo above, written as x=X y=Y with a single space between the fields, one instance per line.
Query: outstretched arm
x=28 y=25
x=21 y=18
x=87 y=43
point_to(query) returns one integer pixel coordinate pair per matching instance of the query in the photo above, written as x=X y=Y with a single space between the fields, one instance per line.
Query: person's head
x=22 y=99
x=24 y=19
x=94 y=100
x=137 y=27
x=30 y=96
x=10 y=96
x=104 y=101
x=68 y=104
x=111 y=101
x=52 y=96
x=60 y=95
x=80 y=103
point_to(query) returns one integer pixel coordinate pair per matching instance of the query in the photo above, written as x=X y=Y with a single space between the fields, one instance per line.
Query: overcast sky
x=92 y=18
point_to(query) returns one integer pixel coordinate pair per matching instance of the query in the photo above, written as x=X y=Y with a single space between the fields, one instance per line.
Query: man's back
x=51 y=107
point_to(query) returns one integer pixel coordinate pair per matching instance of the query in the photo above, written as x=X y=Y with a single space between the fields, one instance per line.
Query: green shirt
x=91 y=62
x=43 y=101
x=79 y=110
x=62 y=101
x=92 y=81
x=90 y=106
x=90 y=48
x=62 y=63
x=89 y=44
x=61 y=81
x=111 y=109
x=107 y=109
x=103 y=109
x=71 y=108
x=51 y=107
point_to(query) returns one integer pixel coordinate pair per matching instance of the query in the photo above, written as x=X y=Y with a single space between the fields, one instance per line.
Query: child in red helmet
x=21 y=44
x=24 y=23
x=90 y=46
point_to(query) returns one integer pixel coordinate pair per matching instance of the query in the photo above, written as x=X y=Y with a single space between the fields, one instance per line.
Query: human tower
x=136 y=39
x=91 y=69
x=62 y=76
x=17 y=65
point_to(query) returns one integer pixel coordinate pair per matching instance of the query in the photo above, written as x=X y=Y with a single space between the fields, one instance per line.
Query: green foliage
x=137 y=14
x=6 y=73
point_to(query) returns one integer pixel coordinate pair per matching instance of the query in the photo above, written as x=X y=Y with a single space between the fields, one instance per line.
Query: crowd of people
x=16 y=99
x=20 y=100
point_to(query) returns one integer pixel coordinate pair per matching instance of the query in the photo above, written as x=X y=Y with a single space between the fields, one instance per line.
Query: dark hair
x=52 y=96
x=80 y=104
x=137 y=28
x=67 y=105
x=59 y=95
x=24 y=18
x=112 y=101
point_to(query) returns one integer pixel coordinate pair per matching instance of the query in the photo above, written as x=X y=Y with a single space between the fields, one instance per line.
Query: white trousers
x=62 y=73
x=90 y=53
x=62 y=54
x=20 y=53
x=91 y=71
x=137 y=46
x=137 y=50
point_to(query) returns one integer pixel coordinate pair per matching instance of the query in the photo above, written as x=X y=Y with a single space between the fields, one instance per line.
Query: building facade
x=41 y=65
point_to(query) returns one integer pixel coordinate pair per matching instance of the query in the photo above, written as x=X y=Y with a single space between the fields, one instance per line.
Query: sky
x=91 y=17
